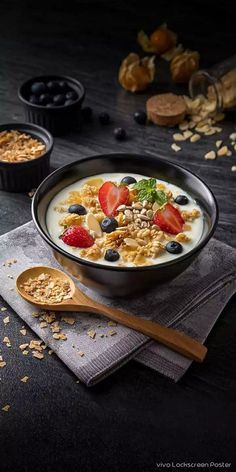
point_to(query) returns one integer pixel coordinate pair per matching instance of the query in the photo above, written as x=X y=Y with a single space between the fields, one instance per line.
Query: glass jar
x=217 y=84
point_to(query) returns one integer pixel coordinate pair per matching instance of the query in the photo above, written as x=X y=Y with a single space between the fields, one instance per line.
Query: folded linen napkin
x=192 y=303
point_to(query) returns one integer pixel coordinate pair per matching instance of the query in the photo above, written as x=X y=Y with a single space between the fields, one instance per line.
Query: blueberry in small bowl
x=53 y=102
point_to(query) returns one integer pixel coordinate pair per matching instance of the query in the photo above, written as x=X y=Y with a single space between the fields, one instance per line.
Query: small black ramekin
x=58 y=119
x=24 y=176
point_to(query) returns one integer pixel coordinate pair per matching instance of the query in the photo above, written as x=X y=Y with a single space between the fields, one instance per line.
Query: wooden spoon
x=171 y=338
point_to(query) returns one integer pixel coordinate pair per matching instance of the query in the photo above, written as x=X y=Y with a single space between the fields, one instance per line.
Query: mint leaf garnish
x=147 y=191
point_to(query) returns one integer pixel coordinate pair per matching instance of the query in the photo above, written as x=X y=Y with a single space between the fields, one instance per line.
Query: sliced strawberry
x=77 y=236
x=110 y=197
x=169 y=219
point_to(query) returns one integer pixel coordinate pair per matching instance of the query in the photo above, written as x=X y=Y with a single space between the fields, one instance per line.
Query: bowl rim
x=55 y=77
x=39 y=130
x=95 y=265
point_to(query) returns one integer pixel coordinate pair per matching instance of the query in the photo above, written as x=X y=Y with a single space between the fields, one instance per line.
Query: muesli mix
x=47 y=289
x=125 y=220
x=19 y=147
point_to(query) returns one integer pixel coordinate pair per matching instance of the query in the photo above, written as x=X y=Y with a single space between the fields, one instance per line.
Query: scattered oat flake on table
x=58 y=336
x=219 y=143
x=43 y=324
x=233 y=168
x=194 y=138
x=6 y=340
x=81 y=353
x=6 y=408
x=91 y=333
x=23 y=346
x=101 y=335
x=68 y=319
x=25 y=353
x=112 y=332
x=1 y=358
x=112 y=323
x=49 y=317
x=187 y=134
x=35 y=344
x=211 y=155
x=210 y=132
x=23 y=332
x=178 y=137
x=32 y=192
x=175 y=147
x=38 y=355
x=233 y=136
x=6 y=320
x=55 y=329
x=183 y=126
x=3 y=308
x=2 y=364
x=223 y=151
x=50 y=352
x=24 y=379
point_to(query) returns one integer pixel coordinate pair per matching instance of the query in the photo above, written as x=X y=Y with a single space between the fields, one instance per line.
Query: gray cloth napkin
x=192 y=303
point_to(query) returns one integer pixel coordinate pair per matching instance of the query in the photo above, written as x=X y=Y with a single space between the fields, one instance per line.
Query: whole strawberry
x=77 y=236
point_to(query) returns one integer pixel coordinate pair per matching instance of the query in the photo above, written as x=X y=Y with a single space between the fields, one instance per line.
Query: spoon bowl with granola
x=122 y=223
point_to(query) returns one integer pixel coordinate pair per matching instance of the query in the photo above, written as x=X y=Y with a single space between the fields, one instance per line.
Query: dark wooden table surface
x=136 y=418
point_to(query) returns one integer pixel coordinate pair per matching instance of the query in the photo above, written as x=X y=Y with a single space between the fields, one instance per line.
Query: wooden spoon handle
x=171 y=338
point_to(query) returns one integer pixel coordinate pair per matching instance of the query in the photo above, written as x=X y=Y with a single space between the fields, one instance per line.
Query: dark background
x=135 y=418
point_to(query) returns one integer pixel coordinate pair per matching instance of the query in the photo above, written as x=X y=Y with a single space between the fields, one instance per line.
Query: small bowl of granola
x=122 y=223
x=25 y=151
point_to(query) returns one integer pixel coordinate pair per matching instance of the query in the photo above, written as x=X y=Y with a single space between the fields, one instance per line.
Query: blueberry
x=120 y=134
x=111 y=255
x=69 y=102
x=104 y=118
x=53 y=86
x=140 y=117
x=109 y=224
x=174 y=248
x=128 y=180
x=181 y=200
x=87 y=114
x=63 y=85
x=72 y=95
x=44 y=99
x=38 y=87
x=59 y=99
x=34 y=99
x=78 y=209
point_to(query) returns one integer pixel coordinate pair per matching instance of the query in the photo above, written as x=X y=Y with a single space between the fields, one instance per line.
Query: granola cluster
x=47 y=289
x=19 y=147
x=137 y=238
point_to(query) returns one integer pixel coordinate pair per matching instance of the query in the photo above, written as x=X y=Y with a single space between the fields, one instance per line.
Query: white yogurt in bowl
x=138 y=239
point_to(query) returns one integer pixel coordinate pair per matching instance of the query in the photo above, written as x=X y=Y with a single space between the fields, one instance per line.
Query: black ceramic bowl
x=119 y=281
x=24 y=176
x=57 y=119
